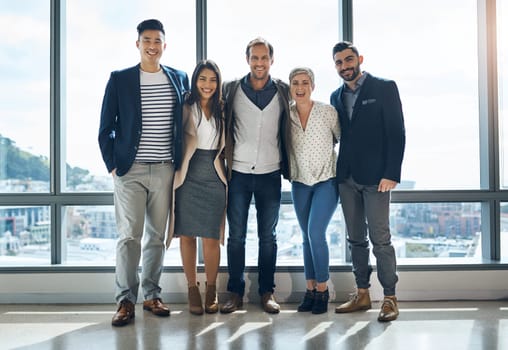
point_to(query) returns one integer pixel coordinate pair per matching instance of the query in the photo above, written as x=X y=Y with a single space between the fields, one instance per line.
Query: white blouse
x=205 y=129
x=313 y=157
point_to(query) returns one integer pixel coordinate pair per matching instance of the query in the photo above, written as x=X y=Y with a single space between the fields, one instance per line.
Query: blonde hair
x=302 y=70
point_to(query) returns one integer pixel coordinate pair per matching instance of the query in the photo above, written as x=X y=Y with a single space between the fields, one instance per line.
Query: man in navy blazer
x=368 y=168
x=140 y=138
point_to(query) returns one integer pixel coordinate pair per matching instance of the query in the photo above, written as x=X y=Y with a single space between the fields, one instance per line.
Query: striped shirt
x=158 y=99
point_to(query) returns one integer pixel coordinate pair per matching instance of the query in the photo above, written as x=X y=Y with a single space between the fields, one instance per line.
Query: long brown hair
x=217 y=102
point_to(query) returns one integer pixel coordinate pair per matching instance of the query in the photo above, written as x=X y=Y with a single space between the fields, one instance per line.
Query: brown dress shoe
x=211 y=302
x=269 y=304
x=124 y=314
x=389 y=310
x=195 y=303
x=357 y=302
x=234 y=303
x=156 y=307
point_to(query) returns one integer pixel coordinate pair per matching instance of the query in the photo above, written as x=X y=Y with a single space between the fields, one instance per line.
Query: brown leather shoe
x=156 y=307
x=269 y=304
x=124 y=314
x=357 y=301
x=234 y=303
x=389 y=310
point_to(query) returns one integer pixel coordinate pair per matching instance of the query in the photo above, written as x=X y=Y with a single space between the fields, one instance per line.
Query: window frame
x=490 y=198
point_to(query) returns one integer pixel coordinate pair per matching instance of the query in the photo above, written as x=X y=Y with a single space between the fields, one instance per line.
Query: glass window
x=100 y=38
x=24 y=96
x=302 y=33
x=25 y=233
x=436 y=230
x=502 y=61
x=504 y=230
x=434 y=65
x=89 y=235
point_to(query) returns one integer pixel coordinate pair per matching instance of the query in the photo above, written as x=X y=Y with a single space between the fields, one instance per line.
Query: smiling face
x=347 y=64
x=301 y=88
x=206 y=84
x=259 y=61
x=151 y=46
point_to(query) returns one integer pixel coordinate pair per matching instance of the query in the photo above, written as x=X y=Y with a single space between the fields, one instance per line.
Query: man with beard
x=368 y=168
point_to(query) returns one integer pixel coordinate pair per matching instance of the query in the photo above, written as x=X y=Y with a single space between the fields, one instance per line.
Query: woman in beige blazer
x=200 y=186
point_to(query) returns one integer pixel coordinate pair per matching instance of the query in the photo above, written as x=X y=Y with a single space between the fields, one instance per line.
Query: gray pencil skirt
x=201 y=200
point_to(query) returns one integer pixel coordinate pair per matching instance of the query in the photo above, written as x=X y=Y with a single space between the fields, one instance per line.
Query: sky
x=432 y=58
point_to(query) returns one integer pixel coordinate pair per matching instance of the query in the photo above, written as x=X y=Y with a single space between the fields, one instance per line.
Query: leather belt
x=154 y=163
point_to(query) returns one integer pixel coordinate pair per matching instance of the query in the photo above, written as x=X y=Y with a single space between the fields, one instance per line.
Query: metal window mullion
x=345 y=33
x=201 y=30
x=488 y=126
x=346 y=20
x=57 y=63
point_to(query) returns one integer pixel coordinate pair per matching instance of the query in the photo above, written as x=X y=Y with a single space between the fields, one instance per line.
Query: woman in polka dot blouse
x=315 y=130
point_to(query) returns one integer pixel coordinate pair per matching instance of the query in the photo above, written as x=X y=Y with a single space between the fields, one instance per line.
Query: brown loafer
x=124 y=314
x=269 y=304
x=234 y=303
x=156 y=307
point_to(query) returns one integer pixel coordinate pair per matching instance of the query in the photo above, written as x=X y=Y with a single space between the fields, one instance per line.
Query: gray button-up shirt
x=349 y=96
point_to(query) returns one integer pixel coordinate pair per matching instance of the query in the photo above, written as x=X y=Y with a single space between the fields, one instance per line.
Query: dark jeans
x=266 y=190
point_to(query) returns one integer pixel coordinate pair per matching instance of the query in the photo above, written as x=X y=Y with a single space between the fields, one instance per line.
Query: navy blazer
x=120 y=126
x=372 y=143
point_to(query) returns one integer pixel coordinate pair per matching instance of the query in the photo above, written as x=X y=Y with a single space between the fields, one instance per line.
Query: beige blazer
x=189 y=147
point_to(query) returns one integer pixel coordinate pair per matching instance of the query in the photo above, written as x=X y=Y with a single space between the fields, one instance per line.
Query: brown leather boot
x=211 y=302
x=195 y=303
x=357 y=301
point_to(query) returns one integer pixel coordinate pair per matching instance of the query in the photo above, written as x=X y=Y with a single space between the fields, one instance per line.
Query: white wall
x=99 y=287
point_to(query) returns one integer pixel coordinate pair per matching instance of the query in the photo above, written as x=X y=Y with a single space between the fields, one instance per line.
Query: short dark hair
x=344 y=45
x=150 y=24
x=259 y=41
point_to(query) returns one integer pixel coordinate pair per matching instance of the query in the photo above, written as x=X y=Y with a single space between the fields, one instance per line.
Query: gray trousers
x=142 y=199
x=365 y=209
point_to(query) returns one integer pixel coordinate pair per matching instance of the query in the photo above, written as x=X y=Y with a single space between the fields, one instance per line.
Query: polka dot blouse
x=313 y=156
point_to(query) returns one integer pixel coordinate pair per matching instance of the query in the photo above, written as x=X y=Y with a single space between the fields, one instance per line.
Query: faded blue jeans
x=367 y=210
x=314 y=207
x=142 y=198
x=266 y=191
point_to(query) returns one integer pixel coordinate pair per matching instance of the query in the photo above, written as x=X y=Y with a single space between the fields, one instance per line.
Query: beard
x=259 y=75
x=355 y=71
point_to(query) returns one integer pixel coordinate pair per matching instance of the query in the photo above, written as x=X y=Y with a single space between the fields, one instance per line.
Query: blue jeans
x=266 y=191
x=314 y=207
x=367 y=209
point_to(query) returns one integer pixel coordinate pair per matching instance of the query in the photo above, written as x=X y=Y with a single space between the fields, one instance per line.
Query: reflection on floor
x=421 y=325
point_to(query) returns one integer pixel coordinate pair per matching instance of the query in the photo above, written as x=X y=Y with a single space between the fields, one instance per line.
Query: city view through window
x=420 y=230
x=442 y=151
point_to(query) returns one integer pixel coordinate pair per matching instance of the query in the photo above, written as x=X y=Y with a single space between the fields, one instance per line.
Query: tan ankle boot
x=211 y=302
x=195 y=303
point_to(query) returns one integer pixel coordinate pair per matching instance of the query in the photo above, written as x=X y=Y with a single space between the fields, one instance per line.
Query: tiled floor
x=421 y=325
